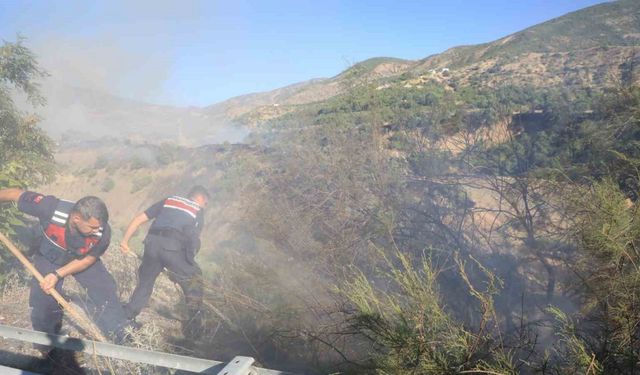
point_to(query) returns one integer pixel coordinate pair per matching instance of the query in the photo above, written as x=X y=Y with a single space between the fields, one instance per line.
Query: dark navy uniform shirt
x=43 y=207
x=181 y=214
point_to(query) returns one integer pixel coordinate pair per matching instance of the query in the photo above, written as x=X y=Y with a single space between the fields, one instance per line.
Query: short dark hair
x=91 y=206
x=199 y=190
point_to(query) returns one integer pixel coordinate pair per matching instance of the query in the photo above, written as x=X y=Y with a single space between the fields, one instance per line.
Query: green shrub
x=101 y=162
x=139 y=163
x=107 y=185
x=407 y=321
x=140 y=183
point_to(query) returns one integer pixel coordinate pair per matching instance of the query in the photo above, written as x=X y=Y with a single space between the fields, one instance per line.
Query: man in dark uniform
x=73 y=237
x=171 y=243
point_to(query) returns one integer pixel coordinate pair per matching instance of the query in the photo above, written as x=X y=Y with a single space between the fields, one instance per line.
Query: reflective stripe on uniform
x=181 y=204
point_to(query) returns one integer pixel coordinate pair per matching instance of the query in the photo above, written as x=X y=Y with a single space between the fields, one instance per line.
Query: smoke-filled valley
x=474 y=212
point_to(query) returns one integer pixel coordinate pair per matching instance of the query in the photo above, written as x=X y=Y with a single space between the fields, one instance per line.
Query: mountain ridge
x=597 y=46
x=609 y=53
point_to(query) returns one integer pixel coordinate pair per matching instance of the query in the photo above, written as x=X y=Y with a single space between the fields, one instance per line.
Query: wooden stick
x=81 y=320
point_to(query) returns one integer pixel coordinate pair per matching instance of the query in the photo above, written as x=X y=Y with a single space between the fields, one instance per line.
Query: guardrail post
x=238 y=366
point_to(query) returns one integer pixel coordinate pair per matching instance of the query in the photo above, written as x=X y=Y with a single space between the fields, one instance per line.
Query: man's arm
x=131 y=229
x=75 y=266
x=10 y=195
x=195 y=236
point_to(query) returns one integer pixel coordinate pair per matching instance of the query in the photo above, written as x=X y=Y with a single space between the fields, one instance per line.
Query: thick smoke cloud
x=98 y=86
x=103 y=64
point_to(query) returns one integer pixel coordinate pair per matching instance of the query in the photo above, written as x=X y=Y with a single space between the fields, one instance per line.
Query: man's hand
x=49 y=282
x=131 y=229
x=124 y=248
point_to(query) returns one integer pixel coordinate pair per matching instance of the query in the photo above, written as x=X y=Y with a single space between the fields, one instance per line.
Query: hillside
x=614 y=24
x=597 y=47
x=472 y=212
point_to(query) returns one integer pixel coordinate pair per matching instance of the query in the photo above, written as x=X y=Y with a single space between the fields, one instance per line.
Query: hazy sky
x=201 y=52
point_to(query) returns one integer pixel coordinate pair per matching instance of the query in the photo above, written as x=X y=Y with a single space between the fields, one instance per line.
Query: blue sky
x=202 y=52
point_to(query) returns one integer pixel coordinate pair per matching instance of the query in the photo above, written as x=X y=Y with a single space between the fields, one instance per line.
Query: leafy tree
x=25 y=150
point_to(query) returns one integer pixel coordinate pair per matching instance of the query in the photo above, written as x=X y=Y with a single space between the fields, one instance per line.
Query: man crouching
x=74 y=235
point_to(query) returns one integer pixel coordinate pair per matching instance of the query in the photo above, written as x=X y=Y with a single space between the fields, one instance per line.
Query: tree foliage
x=410 y=329
x=25 y=150
x=608 y=227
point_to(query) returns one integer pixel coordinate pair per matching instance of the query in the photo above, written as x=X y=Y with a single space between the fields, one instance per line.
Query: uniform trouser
x=183 y=270
x=105 y=307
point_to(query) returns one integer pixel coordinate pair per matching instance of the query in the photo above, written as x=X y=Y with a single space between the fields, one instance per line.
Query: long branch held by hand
x=83 y=322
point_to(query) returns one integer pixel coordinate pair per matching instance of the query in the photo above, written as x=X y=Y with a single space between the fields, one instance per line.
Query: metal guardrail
x=12 y=371
x=238 y=366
